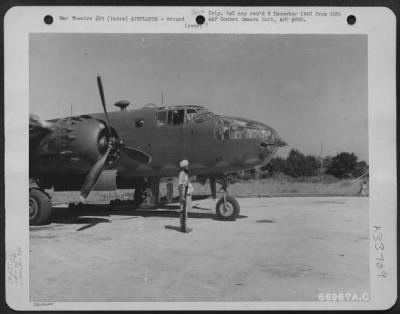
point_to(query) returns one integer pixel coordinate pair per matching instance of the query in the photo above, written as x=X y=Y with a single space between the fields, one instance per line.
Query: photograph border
x=382 y=140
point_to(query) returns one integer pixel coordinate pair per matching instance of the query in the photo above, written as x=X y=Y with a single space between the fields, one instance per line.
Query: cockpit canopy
x=178 y=115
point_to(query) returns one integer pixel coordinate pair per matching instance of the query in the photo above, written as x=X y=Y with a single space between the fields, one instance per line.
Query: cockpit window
x=161 y=118
x=180 y=116
x=139 y=123
x=190 y=114
x=203 y=115
x=176 y=117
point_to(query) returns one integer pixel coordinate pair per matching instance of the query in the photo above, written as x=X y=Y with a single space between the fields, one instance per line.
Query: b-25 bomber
x=133 y=149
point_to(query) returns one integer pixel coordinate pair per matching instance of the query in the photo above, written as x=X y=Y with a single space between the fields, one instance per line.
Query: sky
x=311 y=88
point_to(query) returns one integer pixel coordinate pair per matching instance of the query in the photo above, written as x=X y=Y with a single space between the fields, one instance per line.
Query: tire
x=139 y=197
x=230 y=211
x=115 y=204
x=39 y=208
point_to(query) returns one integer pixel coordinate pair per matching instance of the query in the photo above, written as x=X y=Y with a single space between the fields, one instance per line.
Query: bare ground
x=280 y=249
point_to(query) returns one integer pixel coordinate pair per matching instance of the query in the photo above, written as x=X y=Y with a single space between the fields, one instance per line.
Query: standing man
x=185 y=193
x=364 y=188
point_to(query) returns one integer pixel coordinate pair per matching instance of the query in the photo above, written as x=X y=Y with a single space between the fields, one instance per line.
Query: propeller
x=103 y=102
x=94 y=175
x=115 y=145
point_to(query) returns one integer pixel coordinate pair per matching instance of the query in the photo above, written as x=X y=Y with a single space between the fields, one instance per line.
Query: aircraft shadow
x=65 y=215
x=194 y=198
x=177 y=207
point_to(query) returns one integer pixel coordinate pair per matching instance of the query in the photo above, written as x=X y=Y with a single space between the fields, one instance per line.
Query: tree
x=299 y=165
x=311 y=166
x=343 y=165
x=326 y=162
x=276 y=165
x=361 y=168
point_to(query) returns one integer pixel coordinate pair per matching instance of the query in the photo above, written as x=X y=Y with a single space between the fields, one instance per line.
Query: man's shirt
x=184 y=180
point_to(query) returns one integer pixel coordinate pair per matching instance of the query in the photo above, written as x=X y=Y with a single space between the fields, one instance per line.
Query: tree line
x=343 y=165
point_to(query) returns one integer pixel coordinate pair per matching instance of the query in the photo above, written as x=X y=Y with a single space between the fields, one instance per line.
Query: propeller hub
x=103 y=144
x=118 y=144
x=114 y=144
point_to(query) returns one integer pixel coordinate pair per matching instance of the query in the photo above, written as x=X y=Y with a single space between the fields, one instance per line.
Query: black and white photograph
x=207 y=167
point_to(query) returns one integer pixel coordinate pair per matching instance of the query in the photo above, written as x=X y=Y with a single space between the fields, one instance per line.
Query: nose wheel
x=227 y=207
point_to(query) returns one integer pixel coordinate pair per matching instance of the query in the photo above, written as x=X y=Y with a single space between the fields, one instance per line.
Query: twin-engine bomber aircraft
x=134 y=149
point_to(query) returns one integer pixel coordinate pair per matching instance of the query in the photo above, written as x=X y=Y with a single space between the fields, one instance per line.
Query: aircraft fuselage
x=213 y=144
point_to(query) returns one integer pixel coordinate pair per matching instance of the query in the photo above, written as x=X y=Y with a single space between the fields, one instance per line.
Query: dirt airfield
x=279 y=249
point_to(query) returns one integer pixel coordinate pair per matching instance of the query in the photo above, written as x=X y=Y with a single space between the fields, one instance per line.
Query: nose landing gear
x=227 y=207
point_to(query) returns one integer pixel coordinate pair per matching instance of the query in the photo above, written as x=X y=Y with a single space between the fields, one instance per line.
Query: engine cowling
x=71 y=149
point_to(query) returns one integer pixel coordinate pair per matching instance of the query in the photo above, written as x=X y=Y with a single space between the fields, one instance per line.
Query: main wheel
x=139 y=196
x=115 y=203
x=228 y=211
x=39 y=208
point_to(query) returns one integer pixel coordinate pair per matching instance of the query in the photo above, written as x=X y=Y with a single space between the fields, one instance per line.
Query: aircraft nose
x=279 y=141
x=269 y=137
x=238 y=128
x=269 y=144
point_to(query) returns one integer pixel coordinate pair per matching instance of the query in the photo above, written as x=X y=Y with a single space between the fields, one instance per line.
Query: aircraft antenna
x=162 y=98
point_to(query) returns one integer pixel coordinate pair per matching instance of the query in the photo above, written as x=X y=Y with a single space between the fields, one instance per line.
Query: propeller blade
x=103 y=102
x=137 y=154
x=93 y=175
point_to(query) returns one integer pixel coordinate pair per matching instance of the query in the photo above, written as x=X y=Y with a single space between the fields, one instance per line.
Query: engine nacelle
x=71 y=149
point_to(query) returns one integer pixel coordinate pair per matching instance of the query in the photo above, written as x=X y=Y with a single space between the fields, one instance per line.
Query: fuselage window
x=161 y=118
x=139 y=123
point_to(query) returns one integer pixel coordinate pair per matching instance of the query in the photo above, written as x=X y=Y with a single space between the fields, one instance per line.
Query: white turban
x=184 y=163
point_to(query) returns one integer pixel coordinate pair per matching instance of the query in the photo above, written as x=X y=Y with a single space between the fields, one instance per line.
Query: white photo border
x=379 y=23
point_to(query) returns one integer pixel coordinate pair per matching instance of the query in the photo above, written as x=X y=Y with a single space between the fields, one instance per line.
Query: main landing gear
x=140 y=196
x=39 y=207
x=227 y=207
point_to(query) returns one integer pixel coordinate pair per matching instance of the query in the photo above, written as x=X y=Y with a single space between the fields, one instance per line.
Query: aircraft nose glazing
x=231 y=128
x=269 y=138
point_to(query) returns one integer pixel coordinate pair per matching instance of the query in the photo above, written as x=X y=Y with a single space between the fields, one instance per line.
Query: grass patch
x=273 y=187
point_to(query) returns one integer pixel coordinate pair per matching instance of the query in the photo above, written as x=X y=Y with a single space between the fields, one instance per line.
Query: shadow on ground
x=175 y=228
x=100 y=213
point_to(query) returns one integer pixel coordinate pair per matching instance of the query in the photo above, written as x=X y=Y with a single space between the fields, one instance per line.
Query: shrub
x=343 y=165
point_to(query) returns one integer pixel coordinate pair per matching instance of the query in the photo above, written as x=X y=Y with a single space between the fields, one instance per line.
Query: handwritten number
x=382 y=274
x=377 y=228
x=378 y=238
x=381 y=247
x=381 y=258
